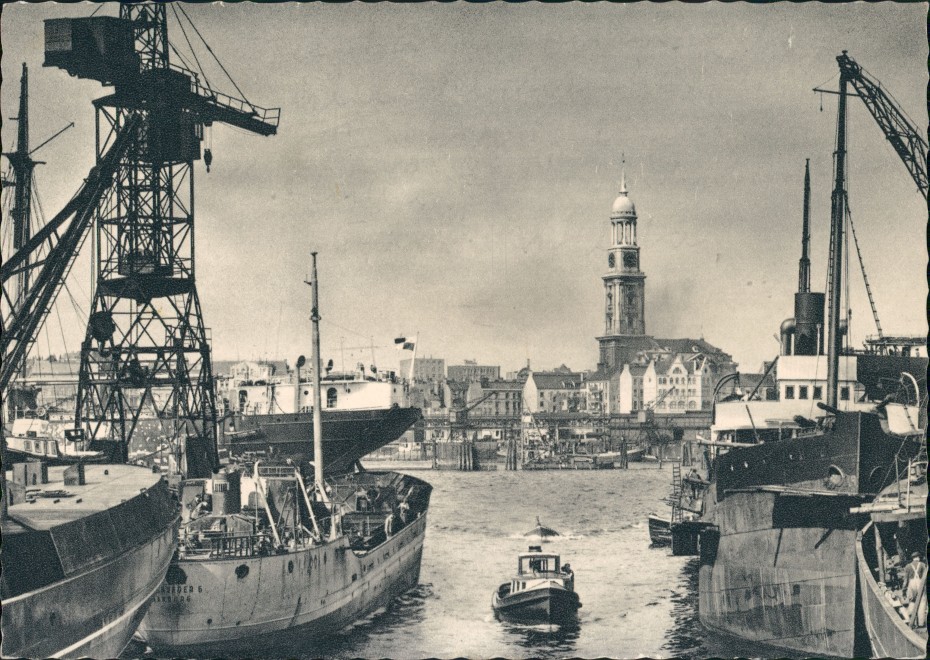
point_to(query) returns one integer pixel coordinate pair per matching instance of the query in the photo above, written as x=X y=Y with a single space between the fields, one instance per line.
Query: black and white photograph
x=463 y=330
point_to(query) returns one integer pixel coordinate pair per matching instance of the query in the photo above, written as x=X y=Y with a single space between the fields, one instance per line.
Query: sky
x=454 y=166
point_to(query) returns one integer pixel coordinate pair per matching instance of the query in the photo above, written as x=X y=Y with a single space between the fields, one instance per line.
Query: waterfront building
x=472 y=371
x=561 y=390
x=635 y=370
x=425 y=369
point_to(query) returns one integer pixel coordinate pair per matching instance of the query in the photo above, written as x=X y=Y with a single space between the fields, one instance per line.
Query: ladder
x=674 y=499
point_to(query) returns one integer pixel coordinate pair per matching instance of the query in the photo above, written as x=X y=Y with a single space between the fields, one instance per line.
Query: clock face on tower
x=611 y=260
x=629 y=260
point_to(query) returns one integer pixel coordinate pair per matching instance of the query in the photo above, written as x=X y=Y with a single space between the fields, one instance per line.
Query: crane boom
x=23 y=322
x=903 y=135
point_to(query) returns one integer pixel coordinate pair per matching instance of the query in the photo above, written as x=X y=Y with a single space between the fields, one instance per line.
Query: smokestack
x=804 y=266
x=808 y=307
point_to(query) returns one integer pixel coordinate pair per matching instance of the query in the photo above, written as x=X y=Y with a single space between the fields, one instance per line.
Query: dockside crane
x=900 y=131
x=145 y=331
x=910 y=146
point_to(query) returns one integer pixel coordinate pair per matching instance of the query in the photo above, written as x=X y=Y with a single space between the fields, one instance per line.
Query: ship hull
x=79 y=629
x=95 y=610
x=778 y=566
x=309 y=594
x=348 y=435
x=772 y=573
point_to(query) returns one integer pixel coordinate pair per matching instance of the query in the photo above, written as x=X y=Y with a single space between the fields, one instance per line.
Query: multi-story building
x=425 y=370
x=472 y=371
x=556 y=391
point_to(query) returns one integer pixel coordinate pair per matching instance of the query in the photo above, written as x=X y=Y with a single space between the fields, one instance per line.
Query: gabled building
x=555 y=391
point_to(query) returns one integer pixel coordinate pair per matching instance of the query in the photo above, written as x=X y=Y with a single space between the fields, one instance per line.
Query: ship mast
x=23 y=166
x=837 y=220
x=21 y=213
x=317 y=384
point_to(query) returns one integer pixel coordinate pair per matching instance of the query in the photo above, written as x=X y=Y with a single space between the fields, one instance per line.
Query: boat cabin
x=537 y=569
x=537 y=563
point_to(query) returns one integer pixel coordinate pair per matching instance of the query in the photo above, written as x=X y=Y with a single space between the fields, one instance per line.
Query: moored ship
x=348 y=434
x=84 y=550
x=273 y=417
x=778 y=563
x=244 y=582
x=306 y=561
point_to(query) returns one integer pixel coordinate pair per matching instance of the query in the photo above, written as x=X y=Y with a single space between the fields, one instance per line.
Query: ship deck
x=54 y=504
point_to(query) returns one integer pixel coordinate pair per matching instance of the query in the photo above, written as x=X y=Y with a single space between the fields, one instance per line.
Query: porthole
x=241 y=571
x=175 y=575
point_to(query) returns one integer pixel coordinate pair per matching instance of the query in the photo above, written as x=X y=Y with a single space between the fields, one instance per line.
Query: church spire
x=623 y=190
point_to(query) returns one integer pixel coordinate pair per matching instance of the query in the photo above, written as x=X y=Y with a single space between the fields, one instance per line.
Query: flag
x=401 y=344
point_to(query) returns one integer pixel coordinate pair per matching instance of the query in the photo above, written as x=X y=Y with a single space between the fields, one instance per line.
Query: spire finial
x=623 y=189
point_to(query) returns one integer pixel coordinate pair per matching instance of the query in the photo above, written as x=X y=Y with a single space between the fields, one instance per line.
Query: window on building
x=802 y=392
x=692 y=405
x=789 y=391
x=844 y=393
x=818 y=392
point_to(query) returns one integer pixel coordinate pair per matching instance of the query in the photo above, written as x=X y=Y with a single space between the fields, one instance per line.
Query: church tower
x=624 y=284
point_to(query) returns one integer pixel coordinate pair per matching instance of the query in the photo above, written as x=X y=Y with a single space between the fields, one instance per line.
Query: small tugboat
x=542 y=591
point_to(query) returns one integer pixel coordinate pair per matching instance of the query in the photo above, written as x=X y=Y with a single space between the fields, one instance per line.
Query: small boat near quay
x=660 y=530
x=895 y=611
x=542 y=591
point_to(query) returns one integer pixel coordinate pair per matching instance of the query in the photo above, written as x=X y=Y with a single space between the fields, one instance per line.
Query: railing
x=269 y=116
x=547 y=575
x=276 y=471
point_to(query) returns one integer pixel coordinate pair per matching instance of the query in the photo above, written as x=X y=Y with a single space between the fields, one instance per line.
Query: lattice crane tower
x=146 y=342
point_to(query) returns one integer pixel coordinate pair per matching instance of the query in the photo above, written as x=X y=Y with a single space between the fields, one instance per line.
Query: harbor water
x=637 y=600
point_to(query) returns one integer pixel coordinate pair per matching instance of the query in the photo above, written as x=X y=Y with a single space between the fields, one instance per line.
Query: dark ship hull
x=348 y=435
x=778 y=564
x=79 y=573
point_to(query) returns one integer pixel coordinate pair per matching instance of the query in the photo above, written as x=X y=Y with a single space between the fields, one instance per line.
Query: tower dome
x=623 y=205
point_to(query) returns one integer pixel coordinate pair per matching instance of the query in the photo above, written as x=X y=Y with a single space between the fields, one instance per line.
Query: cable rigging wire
x=241 y=93
x=189 y=45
